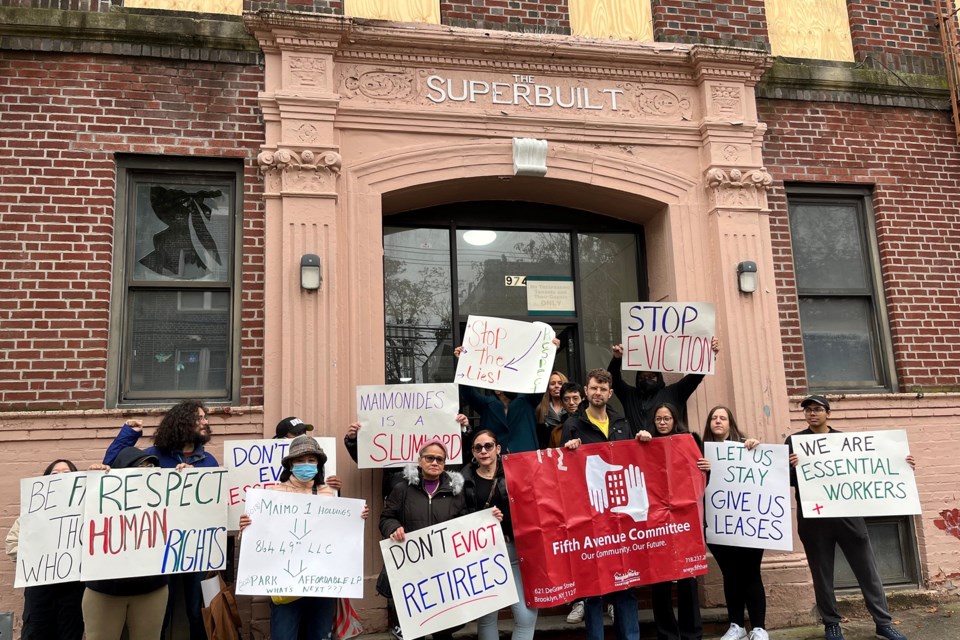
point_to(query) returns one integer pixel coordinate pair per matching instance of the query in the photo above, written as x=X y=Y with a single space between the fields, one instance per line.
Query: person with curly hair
x=177 y=444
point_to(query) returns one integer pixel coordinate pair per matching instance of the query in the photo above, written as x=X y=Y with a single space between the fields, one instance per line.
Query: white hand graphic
x=638 y=504
x=597 y=470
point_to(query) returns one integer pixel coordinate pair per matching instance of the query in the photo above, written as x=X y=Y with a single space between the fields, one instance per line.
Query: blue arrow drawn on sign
x=515 y=360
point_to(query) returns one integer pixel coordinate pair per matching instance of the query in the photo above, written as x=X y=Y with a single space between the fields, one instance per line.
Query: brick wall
x=64 y=119
x=737 y=22
x=333 y=7
x=508 y=15
x=912 y=161
x=897 y=34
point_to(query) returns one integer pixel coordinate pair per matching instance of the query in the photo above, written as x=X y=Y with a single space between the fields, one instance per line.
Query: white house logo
x=629 y=576
x=620 y=490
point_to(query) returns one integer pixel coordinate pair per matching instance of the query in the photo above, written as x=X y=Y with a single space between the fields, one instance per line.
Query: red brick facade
x=738 y=22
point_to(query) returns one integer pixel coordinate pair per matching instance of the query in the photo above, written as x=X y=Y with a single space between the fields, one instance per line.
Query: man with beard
x=640 y=402
x=177 y=444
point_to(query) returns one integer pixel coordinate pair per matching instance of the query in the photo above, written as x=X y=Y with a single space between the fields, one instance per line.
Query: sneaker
x=832 y=632
x=396 y=632
x=735 y=632
x=610 y=612
x=889 y=632
x=758 y=633
x=576 y=613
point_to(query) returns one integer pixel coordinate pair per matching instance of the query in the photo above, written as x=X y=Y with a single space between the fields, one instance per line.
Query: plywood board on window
x=400 y=10
x=231 y=7
x=816 y=29
x=618 y=19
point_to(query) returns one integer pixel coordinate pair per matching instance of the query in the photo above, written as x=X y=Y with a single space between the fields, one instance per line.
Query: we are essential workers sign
x=449 y=574
x=672 y=337
x=396 y=419
x=255 y=464
x=606 y=517
x=148 y=521
x=51 y=528
x=506 y=355
x=748 y=496
x=855 y=474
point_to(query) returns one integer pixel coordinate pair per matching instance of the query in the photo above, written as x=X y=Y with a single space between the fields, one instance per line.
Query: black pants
x=742 y=583
x=689 y=626
x=53 y=612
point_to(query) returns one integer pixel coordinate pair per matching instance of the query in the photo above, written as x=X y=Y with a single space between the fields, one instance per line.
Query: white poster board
x=396 y=419
x=51 y=529
x=148 y=521
x=301 y=545
x=748 y=496
x=449 y=574
x=855 y=474
x=672 y=337
x=508 y=355
x=253 y=464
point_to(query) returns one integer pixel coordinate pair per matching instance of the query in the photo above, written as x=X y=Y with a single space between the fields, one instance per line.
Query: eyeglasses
x=436 y=459
x=663 y=419
x=486 y=446
x=813 y=409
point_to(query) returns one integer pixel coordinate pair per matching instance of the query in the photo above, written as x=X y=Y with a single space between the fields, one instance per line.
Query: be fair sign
x=146 y=521
x=397 y=419
x=449 y=574
x=255 y=464
x=855 y=474
x=670 y=337
x=748 y=496
x=301 y=545
x=51 y=529
x=507 y=355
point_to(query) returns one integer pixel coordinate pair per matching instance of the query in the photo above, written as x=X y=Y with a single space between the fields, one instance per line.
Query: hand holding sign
x=506 y=355
x=670 y=337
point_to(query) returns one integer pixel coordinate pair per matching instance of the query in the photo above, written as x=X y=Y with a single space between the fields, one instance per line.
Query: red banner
x=606 y=517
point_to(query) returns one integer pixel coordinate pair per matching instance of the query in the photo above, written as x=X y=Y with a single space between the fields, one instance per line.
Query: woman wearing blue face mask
x=305 y=618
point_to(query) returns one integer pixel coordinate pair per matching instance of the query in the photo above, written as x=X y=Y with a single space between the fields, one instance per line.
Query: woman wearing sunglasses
x=484 y=487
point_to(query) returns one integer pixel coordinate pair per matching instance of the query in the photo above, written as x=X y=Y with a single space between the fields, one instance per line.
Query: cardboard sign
x=606 y=517
x=396 y=419
x=855 y=474
x=449 y=574
x=255 y=464
x=148 y=521
x=748 y=496
x=301 y=545
x=673 y=337
x=51 y=529
x=508 y=355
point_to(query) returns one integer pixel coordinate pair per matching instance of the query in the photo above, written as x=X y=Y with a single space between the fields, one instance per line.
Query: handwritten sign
x=449 y=574
x=855 y=474
x=748 y=496
x=508 y=355
x=147 y=521
x=669 y=337
x=396 y=419
x=253 y=464
x=301 y=545
x=51 y=529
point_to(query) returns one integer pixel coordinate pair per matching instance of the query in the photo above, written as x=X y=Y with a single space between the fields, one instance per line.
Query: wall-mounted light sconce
x=747 y=276
x=310 y=277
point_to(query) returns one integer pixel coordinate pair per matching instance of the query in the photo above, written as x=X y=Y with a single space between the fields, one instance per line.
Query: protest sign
x=396 y=419
x=673 y=337
x=855 y=474
x=148 y=521
x=449 y=574
x=51 y=529
x=606 y=517
x=507 y=355
x=253 y=464
x=748 y=496
x=301 y=545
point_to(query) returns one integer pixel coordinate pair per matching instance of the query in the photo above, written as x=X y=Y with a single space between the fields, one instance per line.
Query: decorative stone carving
x=307 y=132
x=287 y=170
x=731 y=153
x=308 y=71
x=726 y=99
x=380 y=84
x=529 y=157
x=739 y=189
x=664 y=104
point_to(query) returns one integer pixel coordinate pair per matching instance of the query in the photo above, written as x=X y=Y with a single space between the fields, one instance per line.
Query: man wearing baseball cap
x=291 y=428
x=820 y=537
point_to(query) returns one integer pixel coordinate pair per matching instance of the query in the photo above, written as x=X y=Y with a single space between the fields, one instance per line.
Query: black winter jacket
x=579 y=426
x=409 y=506
x=639 y=405
x=477 y=499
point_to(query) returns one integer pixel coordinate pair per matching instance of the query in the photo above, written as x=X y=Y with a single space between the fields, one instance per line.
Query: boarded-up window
x=399 y=10
x=618 y=19
x=815 y=29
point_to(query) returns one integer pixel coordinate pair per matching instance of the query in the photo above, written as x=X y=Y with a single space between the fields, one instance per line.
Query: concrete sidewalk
x=919 y=615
